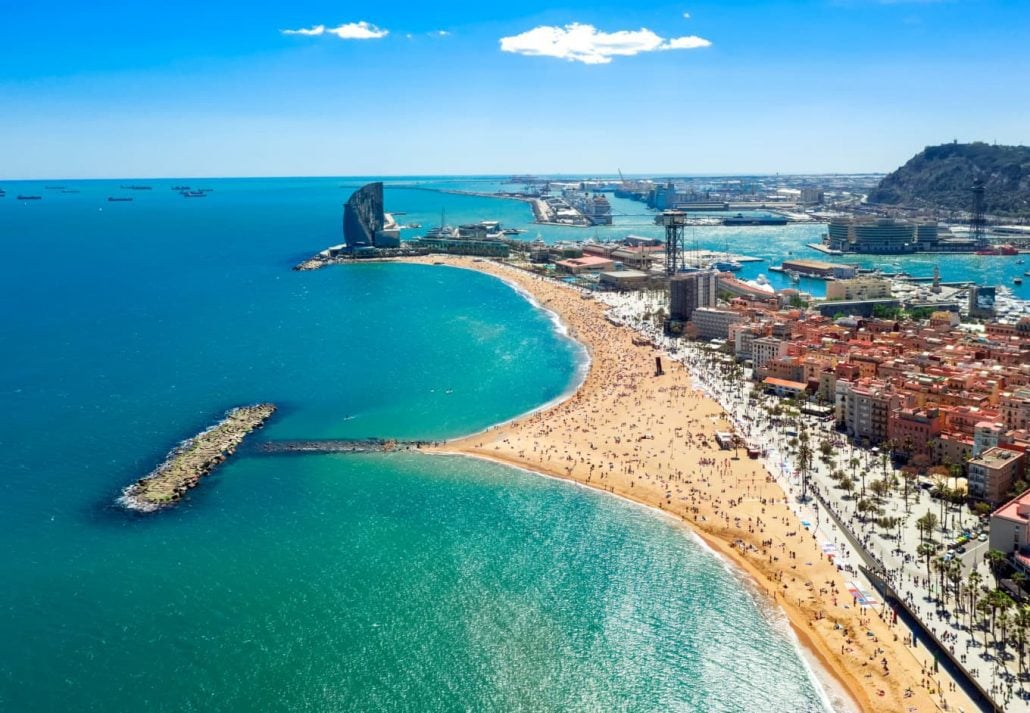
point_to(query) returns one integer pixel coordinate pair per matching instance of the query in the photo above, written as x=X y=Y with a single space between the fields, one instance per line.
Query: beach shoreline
x=875 y=668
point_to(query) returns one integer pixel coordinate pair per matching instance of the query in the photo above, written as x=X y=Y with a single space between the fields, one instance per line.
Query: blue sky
x=120 y=89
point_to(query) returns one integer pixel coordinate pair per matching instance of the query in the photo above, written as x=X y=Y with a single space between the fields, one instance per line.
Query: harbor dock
x=194 y=458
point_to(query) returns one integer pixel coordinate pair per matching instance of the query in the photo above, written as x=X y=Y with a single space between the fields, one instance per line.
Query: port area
x=194 y=458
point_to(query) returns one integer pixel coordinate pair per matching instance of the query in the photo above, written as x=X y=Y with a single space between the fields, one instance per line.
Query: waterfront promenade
x=892 y=554
x=652 y=439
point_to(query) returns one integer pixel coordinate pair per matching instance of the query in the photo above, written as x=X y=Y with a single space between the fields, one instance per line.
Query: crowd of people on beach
x=651 y=438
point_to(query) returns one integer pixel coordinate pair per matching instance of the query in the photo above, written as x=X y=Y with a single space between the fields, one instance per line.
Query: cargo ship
x=30 y=198
x=115 y=199
x=741 y=219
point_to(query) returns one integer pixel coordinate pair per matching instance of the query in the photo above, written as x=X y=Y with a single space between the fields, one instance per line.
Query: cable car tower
x=978 y=222
x=674 y=221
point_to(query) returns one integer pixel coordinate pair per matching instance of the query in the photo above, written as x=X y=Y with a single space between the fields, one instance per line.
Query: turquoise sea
x=396 y=582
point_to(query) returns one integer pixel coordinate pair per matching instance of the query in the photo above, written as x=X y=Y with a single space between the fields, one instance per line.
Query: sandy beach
x=651 y=439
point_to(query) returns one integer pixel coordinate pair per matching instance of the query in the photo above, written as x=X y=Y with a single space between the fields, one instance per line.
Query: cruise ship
x=593 y=206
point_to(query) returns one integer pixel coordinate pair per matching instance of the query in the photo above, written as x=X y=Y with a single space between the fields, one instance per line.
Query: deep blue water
x=400 y=582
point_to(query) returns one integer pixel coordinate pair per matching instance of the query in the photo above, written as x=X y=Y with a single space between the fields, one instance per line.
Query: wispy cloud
x=307 y=32
x=587 y=44
x=347 y=31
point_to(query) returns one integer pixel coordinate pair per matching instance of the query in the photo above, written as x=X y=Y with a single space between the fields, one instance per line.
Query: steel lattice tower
x=674 y=221
x=978 y=223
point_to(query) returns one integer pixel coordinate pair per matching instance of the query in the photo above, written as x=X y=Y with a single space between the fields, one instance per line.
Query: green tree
x=926 y=525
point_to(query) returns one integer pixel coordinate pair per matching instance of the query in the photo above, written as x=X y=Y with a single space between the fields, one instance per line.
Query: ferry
x=740 y=219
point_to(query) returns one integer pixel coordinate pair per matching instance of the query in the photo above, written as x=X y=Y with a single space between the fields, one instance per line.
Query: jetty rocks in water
x=194 y=458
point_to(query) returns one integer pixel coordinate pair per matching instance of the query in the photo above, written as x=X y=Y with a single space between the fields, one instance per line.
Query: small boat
x=30 y=198
x=180 y=188
x=1027 y=273
x=71 y=190
x=136 y=188
x=194 y=194
x=116 y=199
x=1017 y=281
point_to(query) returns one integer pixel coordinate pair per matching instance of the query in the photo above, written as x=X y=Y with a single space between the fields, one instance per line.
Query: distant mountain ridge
x=942 y=177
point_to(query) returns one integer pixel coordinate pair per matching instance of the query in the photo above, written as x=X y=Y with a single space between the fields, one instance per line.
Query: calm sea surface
x=321 y=583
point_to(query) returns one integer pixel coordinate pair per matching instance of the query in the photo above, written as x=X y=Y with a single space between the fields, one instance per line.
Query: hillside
x=941 y=177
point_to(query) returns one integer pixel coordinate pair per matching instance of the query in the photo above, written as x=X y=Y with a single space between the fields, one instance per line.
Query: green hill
x=941 y=177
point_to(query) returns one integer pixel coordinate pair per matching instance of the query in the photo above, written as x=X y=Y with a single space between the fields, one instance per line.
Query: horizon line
x=568 y=174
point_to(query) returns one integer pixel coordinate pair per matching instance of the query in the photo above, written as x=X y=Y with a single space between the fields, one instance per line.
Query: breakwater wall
x=340 y=445
x=194 y=458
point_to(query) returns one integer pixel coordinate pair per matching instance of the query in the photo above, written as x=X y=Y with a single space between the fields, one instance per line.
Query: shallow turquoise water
x=320 y=583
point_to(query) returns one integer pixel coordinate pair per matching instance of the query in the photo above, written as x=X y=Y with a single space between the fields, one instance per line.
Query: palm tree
x=804 y=462
x=1020 y=580
x=854 y=463
x=973 y=590
x=926 y=551
x=908 y=475
x=1021 y=622
x=995 y=559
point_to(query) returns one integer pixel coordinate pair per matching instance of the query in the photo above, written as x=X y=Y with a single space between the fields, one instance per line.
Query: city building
x=1010 y=530
x=688 y=291
x=363 y=217
x=624 y=279
x=765 y=349
x=880 y=237
x=713 y=323
x=859 y=288
x=587 y=263
x=912 y=430
x=1015 y=409
x=992 y=473
x=865 y=409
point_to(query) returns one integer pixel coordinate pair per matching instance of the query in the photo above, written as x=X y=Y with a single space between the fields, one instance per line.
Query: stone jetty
x=341 y=445
x=194 y=458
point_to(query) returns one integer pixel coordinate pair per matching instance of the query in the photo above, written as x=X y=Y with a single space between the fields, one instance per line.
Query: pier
x=338 y=445
x=194 y=458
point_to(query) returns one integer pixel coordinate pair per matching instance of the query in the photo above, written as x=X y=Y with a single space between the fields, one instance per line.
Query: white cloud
x=358 y=31
x=686 y=16
x=587 y=44
x=442 y=33
x=348 y=31
x=308 y=32
x=689 y=42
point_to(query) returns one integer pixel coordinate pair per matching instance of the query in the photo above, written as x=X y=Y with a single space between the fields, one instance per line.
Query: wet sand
x=651 y=439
